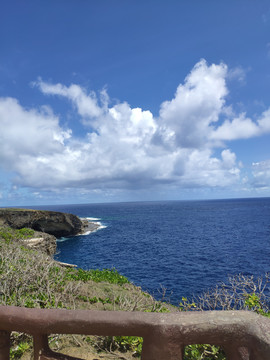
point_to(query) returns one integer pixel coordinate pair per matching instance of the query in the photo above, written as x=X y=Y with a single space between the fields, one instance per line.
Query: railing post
x=4 y=345
x=236 y=353
x=41 y=346
x=162 y=346
x=42 y=351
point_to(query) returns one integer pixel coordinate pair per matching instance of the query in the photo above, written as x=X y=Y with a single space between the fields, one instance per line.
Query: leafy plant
x=19 y=350
x=129 y=343
x=204 y=352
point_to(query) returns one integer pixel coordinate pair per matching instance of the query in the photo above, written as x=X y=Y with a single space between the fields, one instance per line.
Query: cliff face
x=51 y=222
x=41 y=241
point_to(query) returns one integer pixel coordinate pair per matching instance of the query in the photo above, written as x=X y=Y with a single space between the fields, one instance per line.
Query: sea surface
x=186 y=247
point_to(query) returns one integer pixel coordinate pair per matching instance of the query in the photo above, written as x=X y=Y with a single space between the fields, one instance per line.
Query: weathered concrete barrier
x=243 y=335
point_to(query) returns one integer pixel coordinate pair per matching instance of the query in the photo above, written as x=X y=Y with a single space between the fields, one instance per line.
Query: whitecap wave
x=93 y=220
x=98 y=225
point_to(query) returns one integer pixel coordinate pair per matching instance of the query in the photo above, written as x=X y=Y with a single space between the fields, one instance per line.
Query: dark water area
x=185 y=246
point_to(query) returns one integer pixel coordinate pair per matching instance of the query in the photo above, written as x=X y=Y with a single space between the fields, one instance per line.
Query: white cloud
x=237 y=73
x=86 y=104
x=196 y=105
x=129 y=148
x=261 y=174
x=204 y=170
x=242 y=127
x=238 y=128
x=30 y=133
x=264 y=122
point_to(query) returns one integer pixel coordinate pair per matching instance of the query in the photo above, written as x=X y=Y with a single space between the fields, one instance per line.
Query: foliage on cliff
x=32 y=279
x=8 y=234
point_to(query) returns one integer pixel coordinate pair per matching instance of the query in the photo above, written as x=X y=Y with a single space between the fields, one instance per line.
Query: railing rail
x=243 y=335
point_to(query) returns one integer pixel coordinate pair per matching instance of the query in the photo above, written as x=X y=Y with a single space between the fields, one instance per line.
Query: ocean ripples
x=187 y=247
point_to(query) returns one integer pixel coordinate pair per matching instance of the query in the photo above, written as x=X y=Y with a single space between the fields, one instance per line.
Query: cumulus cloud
x=196 y=105
x=128 y=148
x=32 y=133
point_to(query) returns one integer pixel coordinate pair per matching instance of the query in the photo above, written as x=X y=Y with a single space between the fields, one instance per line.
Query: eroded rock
x=51 y=222
x=41 y=241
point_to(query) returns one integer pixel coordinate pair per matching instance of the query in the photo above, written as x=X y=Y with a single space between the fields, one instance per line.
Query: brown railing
x=243 y=335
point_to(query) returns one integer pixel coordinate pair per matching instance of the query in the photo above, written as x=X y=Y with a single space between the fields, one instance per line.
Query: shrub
x=9 y=234
x=240 y=292
x=106 y=275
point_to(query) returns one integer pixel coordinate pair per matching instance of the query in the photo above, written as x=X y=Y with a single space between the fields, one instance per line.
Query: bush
x=9 y=234
x=106 y=275
x=32 y=279
x=240 y=292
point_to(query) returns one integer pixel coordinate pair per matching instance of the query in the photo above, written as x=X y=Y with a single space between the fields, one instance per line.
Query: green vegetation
x=31 y=279
x=106 y=275
x=9 y=234
x=239 y=293
x=126 y=343
x=17 y=351
x=203 y=351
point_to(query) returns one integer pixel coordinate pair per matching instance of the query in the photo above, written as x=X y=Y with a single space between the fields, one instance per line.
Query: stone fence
x=243 y=335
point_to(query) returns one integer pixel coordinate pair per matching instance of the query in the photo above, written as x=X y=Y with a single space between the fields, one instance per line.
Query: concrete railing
x=243 y=335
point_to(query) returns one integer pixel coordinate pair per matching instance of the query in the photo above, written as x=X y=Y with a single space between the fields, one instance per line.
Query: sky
x=124 y=100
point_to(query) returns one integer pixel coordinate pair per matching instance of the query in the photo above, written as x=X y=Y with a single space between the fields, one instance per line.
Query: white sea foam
x=101 y=226
x=62 y=239
x=92 y=220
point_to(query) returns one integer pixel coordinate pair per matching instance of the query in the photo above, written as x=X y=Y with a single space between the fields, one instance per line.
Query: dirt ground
x=87 y=353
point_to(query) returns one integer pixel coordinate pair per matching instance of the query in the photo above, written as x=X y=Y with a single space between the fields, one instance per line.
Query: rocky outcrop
x=51 y=222
x=41 y=241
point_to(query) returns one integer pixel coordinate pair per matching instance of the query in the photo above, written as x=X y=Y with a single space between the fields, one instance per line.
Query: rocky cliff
x=41 y=241
x=51 y=222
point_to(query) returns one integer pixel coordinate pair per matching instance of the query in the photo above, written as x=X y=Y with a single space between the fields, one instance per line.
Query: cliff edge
x=50 y=222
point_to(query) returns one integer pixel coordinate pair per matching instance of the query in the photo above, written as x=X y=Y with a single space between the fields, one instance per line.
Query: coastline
x=91 y=225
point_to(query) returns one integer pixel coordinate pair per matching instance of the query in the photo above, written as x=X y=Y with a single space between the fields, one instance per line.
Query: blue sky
x=120 y=100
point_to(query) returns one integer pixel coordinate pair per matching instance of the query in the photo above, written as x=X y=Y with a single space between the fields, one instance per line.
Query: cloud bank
x=185 y=146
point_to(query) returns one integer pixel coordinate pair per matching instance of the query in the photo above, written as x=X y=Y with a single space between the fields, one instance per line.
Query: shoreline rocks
x=48 y=226
x=89 y=226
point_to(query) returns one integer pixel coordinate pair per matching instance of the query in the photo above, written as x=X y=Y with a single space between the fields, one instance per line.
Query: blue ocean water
x=185 y=246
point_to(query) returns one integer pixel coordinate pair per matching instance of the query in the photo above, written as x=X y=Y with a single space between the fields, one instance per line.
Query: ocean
x=185 y=247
